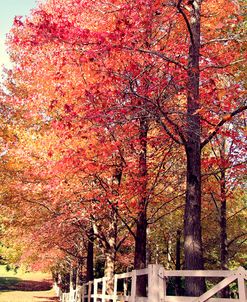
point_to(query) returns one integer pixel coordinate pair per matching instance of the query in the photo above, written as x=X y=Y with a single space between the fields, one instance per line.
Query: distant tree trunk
x=223 y=227
x=223 y=236
x=192 y=216
x=72 y=278
x=149 y=250
x=79 y=273
x=178 y=281
x=178 y=250
x=90 y=255
x=141 y=225
x=223 y=245
x=110 y=254
x=169 y=253
x=55 y=276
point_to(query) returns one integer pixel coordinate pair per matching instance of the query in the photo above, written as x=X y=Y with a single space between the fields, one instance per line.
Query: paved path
x=25 y=287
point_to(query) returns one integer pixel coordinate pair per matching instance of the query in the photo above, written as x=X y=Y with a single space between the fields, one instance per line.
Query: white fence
x=157 y=287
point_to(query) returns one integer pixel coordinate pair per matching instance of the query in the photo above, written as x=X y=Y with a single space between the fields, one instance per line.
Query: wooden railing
x=157 y=287
x=239 y=275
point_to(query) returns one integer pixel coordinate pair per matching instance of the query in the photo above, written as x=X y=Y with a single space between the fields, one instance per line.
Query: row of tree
x=127 y=124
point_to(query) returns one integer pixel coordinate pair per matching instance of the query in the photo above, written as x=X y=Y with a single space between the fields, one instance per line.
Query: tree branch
x=186 y=21
x=160 y=55
x=221 y=123
x=121 y=218
x=157 y=54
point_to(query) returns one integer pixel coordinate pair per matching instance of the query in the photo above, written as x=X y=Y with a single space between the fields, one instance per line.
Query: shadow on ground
x=8 y=282
x=16 y=284
x=53 y=299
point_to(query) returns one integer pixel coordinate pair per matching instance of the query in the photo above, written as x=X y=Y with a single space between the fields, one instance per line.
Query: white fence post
x=59 y=293
x=89 y=291
x=242 y=289
x=155 y=283
x=133 y=286
x=83 y=293
x=115 y=289
x=78 y=293
x=72 y=295
x=95 y=290
x=125 y=286
x=162 y=284
x=103 y=288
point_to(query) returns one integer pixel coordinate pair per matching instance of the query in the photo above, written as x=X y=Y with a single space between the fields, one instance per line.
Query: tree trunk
x=141 y=241
x=223 y=236
x=79 y=273
x=192 y=216
x=223 y=243
x=178 y=281
x=178 y=250
x=71 y=278
x=192 y=226
x=169 y=253
x=140 y=253
x=110 y=254
x=141 y=225
x=90 y=254
x=223 y=227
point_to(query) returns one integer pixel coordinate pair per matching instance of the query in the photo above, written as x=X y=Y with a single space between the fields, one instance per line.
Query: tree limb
x=221 y=123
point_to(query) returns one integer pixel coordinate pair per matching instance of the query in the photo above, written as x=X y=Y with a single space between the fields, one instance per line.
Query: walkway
x=25 y=287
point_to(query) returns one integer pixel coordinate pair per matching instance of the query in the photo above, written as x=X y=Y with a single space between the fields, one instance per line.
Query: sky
x=8 y=10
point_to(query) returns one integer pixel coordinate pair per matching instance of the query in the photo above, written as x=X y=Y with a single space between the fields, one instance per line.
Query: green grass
x=25 y=287
x=22 y=274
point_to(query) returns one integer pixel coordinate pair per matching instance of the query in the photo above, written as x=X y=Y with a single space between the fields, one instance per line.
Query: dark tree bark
x=178 y=281
x=223 y=222
x=141 y=241
x=90 y=258
x=79 y=279
x=141 y=225
x=192 y=216
x=223 y=237
x=178 y=250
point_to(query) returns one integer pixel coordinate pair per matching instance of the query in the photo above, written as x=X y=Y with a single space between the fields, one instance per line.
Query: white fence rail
x=157 y=287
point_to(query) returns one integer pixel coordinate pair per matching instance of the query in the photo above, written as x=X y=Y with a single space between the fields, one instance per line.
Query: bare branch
x=221 y=123
x=236 y=238
x=162 y=56
x=121 y=218
x=215 y=203
x=186 y=21
x=222 y=66
x=163 y=205
x=230 y=217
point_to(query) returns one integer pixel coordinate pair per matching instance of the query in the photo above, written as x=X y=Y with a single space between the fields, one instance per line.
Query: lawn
x=25 y=287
